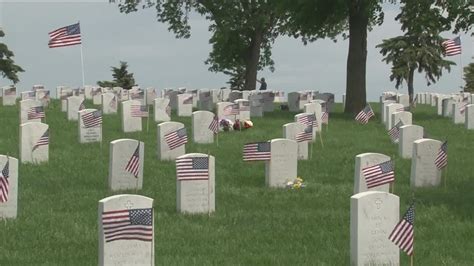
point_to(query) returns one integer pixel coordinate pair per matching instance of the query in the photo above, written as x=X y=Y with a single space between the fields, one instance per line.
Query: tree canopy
x=8 y=68
x=122 y=78
x=469 y=78
x=420 y=48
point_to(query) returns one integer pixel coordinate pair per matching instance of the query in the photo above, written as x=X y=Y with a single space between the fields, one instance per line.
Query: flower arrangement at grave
x=242 y=125
x=296 y=184
x=225 y=124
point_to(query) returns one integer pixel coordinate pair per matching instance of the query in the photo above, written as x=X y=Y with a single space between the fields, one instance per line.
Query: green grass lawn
x=253 y=224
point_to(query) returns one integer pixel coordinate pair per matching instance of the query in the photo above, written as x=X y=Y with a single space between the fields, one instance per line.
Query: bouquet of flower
x=296 y=184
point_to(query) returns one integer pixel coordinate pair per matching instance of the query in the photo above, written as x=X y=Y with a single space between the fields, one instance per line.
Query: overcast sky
x=159 y=60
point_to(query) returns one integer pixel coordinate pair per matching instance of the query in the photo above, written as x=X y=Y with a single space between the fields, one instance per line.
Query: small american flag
x=259 y=151
x=133 y=165
x=139 y=110
x=36 y=112
x=441 y=160
x=452 y=47
x=325 y=117
x=194 y=168
x=306 y=135
x=168 y=110
x=92 y=119
x=364 y=115
x=308 y=120
x=4 y=184
x=403 y=233
x=134 y=224
x=82 y=106
x=464 y=104
x=176 y=138
x=394 y=132
x=65 y=36
x=188 y=100
x=231 y=109
x=379 y=174
x=113 y=103
x=214 y=125
x=43 y=140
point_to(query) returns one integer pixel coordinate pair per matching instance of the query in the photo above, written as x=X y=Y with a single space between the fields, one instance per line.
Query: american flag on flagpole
x=394 y=132
x=139 y=110
x=65 y=36
x=192 y=168
x=379 y=174
x=364 y=115
x=133 y=224
x=214 y=125
x=176 y=138
x=441 y=160
x=308 y=120
x=4 y=183
x=452 y=47
x=92 y=119
x=306 y=135
x=231 y=109
x=36 y=112
x=404 y=232
x=43 y=140
x=259 y=151
x=133 y=165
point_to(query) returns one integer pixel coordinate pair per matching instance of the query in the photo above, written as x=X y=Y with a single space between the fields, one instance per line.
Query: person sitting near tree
x=263 y=84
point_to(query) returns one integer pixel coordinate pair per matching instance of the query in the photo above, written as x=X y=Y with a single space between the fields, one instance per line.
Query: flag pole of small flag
x=452 y=47
x=258 y=151
x=364 y=115
x=404 y=232
x=192 y=168
x=133 y=165
x=394 y=132
x=379 y=174
x=4 y=183
x=176 y=138
x=43 y=140
x=131 y=224
x=441 y=160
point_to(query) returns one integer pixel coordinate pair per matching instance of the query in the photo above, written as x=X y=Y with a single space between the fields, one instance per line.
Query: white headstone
x=256 y=105
x=447 y=107
x=195 y=193
x=374 y=214
x=408 y=134
x=283 y=165
x=88 y=92
x=470 y=116
x=424 y=172
x=405 y=117
x=34 y=142
x=44 y=96
x=131 y=122
x=8 y=187
x=172 y=137
x=28 y=95
x=244 y=109
x=173 y=96
x=458 y=116
x=74 y=105
x=150 y=95
x=162 y=109
x=205 y=100
x=389 y=110
x=31 y=111
x=126 y=241
x=268 y=101
x=404 y=99
x=109 y=103
x=228 y=110
x=8 y=95
x=90 y=125
x=291 y=131
x=439 y=104
x=185 y=104
x=96 y=94
x=382 y=110
x=302 y=118
x=64 y=93
x=235 y=95
x=126 y=164
x=201 y=124
x=363 y=161
x=316 y=109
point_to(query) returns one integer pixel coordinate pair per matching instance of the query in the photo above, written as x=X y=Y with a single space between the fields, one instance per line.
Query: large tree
x=242 y=32
x=8 y=68
x=420 y=48
x=122 y=78
x=469 y=78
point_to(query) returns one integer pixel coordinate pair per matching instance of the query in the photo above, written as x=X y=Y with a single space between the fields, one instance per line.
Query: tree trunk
x=411 y=75
x=252 y=60
x=357 y=56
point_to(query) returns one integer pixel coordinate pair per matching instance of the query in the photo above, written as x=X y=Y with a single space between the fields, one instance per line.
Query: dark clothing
x=263 y=85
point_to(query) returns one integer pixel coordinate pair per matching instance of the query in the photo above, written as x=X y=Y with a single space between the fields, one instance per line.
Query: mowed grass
x=253 y=225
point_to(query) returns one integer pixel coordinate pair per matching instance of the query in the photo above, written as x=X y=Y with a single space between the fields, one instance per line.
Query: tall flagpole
x=82 y=62
x=460 y=63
